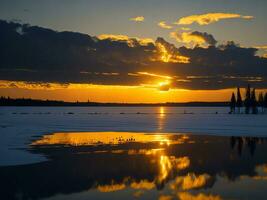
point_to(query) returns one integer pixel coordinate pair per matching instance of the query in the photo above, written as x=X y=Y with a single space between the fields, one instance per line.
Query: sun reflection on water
x=165 y=167
x=108 y=138
x=161 y=118
x=162 y=141
x=161 y=112
x=139 y=164
x=100 y=138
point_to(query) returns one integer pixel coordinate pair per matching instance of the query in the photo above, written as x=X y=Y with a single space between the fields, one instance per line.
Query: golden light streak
x=183 y=80
x=166 y=57
x=155 y=75
x=165 y=168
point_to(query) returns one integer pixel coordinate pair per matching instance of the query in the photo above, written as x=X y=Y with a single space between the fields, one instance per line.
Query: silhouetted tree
x=239 y=102
x=247 y=101
x=232 y=103
x=253 y=102
x=261 y=102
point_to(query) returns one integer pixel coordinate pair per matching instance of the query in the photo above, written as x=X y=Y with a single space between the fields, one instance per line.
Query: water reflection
x=161 y=112
x=106 y=138
x=161 y=118
x=249 y=141
x=140 y=165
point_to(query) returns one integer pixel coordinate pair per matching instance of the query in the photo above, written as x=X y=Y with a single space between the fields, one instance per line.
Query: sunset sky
x=132 y=51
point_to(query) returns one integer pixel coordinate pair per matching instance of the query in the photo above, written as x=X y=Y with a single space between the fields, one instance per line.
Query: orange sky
x=104 y=93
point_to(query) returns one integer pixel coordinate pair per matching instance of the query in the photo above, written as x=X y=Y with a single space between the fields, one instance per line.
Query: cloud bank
x=35 y=54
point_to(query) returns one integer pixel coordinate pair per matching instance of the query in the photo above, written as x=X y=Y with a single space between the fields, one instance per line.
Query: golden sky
x=109 y=93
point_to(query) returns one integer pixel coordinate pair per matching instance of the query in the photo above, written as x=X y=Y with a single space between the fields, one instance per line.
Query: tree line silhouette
x=246 y=142
x=251 y=103
x=8 y=101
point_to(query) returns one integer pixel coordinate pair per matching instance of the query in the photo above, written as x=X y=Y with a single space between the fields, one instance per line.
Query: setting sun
x=164 y=86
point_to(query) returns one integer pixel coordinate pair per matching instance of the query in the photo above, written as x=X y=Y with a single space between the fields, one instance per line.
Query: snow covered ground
x=20 y=125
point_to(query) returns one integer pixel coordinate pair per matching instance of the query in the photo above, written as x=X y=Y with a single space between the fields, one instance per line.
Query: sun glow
x=164 y=86
x=164 y=83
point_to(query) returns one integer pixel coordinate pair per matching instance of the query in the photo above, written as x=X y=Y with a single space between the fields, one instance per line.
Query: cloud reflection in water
x=140 y=165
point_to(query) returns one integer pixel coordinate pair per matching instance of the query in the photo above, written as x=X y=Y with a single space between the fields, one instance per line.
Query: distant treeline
x=7 y=101
x=251 y=103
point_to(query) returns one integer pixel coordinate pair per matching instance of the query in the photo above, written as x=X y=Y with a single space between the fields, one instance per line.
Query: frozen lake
x=20 y=125
x=132 y=152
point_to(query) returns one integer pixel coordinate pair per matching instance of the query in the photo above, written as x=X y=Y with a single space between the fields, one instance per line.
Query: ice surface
x=19 y=125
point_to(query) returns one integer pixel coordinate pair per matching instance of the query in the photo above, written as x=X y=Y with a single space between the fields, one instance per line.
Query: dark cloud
x=35 y=54
x=207 y=37
x=194 y=38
